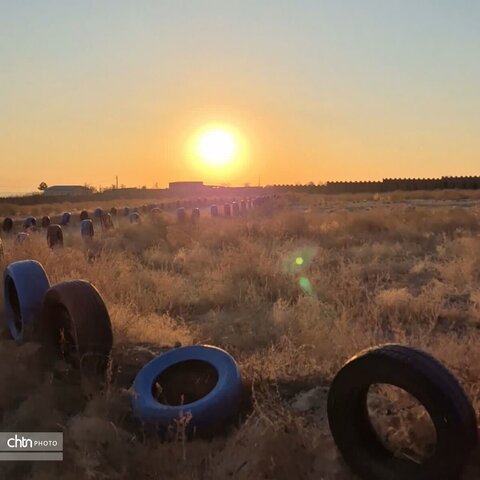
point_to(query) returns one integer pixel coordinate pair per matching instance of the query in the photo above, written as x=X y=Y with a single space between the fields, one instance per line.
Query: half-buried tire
x=134 y=218
x=86 y=229
x=74 y=325
x=65 y=219
x=30 y=222
x=24 y=285
x=7 y=225
x=198 y=383
x=55 y=236
x=426 y=379
x=45 y=221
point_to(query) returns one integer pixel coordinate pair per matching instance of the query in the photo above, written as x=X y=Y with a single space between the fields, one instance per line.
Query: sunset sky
x=313 y=90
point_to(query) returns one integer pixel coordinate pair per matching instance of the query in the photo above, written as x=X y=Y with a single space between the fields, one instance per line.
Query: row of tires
x=229 y=209
x=203 y=384
x=55 y=233
x=31 y=223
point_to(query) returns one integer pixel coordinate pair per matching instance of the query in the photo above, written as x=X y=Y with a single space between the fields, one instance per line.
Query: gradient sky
x=322 y=90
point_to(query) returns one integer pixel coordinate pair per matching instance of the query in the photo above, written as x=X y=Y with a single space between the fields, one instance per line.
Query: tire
x=196 y=214
x=214 y=211
x=21 y=238
x=227 y=211
x=74 y=323
x=86 y=229
x=83 y=215
x=243 y=206
x=211 y=411
x=113 y=212
x=30 y=222
x=46 y=221
x=98 y=213
x=24 y=286
x=106 y=222
x=54 y=236
x=235 y=209
x=126 y=211
x=181 y=215
x=7 y=225
x=65 y=219
x=431 y=383
x=134 y=217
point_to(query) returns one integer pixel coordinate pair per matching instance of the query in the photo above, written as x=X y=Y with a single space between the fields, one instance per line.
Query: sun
x=217 y=147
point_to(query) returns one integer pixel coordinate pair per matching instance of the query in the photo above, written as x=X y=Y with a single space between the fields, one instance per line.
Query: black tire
x=235 y=209
x=7 y=225
x=431 y=383
x=83 y=215
x=46 y=221
x=196 y=214
x=113 y=212
x=106 y=222
x=54 y=236
x=74 y=323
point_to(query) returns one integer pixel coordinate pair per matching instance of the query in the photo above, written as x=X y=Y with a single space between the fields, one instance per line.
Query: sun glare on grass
x=217 y=147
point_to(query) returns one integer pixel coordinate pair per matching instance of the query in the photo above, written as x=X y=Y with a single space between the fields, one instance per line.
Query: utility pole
x=116 y=182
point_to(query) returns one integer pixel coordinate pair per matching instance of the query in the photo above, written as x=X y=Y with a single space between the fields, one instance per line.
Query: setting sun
x=217 y=147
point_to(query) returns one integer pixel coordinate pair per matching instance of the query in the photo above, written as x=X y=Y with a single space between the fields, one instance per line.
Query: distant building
x=66 y=190
x=186 y=187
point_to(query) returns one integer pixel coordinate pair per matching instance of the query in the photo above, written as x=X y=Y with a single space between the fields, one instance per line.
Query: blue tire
x=134 y=217
x=30 y=222
x=86 y=229
x=24 y=286
x=181 y=215
x=98 y=213
x=65 y=219
x=218 y=406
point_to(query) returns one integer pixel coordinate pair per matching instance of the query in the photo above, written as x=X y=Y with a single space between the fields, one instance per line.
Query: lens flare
x=305 y=285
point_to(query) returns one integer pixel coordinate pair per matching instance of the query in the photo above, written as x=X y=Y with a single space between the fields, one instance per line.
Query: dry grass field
x=291 y=295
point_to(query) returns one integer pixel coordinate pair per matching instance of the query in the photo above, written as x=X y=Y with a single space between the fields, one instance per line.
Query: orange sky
x=92 y=91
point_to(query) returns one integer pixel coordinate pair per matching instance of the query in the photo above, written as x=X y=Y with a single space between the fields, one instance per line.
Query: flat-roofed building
x=66 y=190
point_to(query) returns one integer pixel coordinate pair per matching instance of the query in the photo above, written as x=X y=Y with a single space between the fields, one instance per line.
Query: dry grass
x=367 y=277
